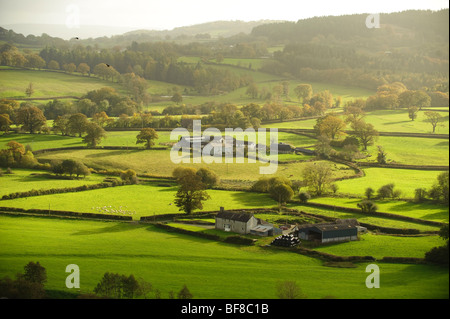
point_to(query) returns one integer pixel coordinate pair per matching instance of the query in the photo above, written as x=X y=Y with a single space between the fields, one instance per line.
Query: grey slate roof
x=242 y=217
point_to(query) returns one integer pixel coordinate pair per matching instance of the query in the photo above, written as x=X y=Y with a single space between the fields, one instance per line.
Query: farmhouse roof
x=242 y=217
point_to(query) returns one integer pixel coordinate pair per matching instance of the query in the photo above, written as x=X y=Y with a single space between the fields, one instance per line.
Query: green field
x=383 y=121
x=412 y=150
x=144 y=200
x=209 y=269
x=23 y=180
x=48 y=84
x=427 y=211
x=380 y=246
x=159 y=163
x=406 y=180
x=364 y=218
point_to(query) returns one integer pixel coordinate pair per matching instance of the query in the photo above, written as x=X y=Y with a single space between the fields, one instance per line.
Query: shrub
x=367 y=206
x=129 y=176
x=304 y=197
x=388 y=191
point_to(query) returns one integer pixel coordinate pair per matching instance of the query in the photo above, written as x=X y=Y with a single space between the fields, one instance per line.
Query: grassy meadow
x=170 y=260
x=142 y=200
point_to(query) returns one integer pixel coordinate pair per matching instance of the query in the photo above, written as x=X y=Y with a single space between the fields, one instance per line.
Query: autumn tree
x=77 y=124
x=412 y=112
x=365 y=133
x=53 y=65
x=317 y=176
x=94 y=134
x=31 y=117
x=304 y=92
x=191 y=191
x=147 y=136
x=331 y=126
x=83 y=68
x=69 y=67
x=433 y=118
x=5 y=122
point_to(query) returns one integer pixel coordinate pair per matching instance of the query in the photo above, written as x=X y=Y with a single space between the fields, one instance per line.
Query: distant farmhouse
x=341 y=230
x=244 y=223
x=283 y=148
x=228 y=145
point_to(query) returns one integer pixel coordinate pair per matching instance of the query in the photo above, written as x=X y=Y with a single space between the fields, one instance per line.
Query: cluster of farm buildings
x=246 y=223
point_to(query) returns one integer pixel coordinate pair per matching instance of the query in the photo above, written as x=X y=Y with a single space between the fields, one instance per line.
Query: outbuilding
x=328 y=232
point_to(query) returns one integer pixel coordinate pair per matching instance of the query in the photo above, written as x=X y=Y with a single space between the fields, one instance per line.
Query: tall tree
x=191 y=192
x=78 y=123
x=317 y=176
x=94 y=134
x=365 y=133
x=331 y=126
x=433 y=118
x=147 y=136
x=304 y=92
x=31 y=118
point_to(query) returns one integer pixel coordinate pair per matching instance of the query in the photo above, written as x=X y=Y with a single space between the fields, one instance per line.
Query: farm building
x=244 y=223
x=345 y=230
x=283 y=148
x=304 y=151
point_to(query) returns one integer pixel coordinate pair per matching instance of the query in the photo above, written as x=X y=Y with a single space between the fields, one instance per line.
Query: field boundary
x=60 y=213
x=405 y=166
x=377 y=214
x=397 y=134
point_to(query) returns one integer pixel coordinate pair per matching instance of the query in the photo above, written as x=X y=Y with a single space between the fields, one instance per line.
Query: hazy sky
x=168 y=14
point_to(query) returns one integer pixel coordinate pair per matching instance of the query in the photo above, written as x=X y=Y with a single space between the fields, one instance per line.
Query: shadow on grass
x=116 y=228
x=253 y=199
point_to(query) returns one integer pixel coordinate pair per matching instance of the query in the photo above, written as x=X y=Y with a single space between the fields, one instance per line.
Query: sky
x=168 y=14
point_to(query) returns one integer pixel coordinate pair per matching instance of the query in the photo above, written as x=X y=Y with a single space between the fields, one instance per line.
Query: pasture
x=23 y=180
x=427 y=211
x=141 y=200
x=210 y=269
x=406 y=180
x=48 y=84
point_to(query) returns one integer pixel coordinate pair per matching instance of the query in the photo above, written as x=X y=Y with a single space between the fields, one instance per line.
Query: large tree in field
x=147 y=136
x=433 y=118
x=94 y=134
x=78 y=123
x=331 y=126
x=304 y=92
x=31 y=118
x=191 y=192
x=317 y=176
x=364 y=132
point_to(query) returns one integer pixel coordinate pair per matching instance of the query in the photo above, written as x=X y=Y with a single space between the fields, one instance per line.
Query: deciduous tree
x=147 y=136
x=31 y=118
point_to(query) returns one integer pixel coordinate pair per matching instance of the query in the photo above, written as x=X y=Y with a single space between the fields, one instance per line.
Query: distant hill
x=214 y=29
x=110 y=35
